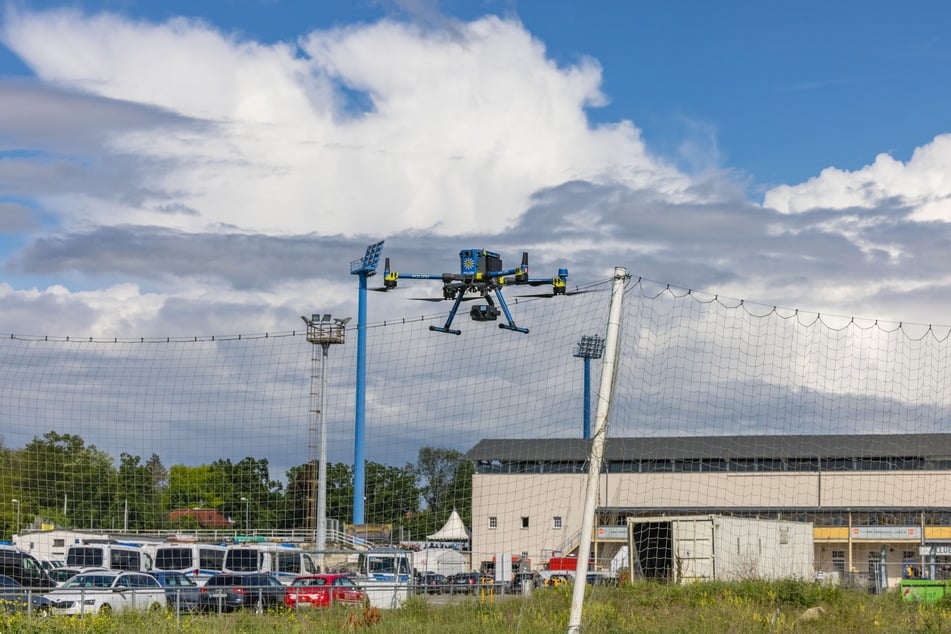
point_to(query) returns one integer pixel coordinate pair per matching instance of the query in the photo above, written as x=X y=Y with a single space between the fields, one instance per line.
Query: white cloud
x=923 y=184
x=463 y=125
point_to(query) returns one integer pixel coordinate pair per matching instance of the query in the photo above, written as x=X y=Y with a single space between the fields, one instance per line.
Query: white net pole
x=597 y=446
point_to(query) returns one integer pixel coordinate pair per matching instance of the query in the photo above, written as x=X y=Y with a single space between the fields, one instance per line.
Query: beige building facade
x=877 y=503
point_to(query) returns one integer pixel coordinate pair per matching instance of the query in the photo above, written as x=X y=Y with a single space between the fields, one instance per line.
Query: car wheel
x=105 y=608
x=259 y=606
x=155 y=608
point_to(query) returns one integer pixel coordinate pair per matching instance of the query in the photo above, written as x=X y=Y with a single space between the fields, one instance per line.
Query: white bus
x=198 y=561
x=284 y=561
x=113 y=556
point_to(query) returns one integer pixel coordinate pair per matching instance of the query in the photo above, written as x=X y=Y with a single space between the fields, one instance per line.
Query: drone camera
x=484 y=312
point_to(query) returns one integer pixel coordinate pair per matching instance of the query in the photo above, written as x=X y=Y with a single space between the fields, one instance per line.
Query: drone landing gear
x=505 y=308
x=482 y=312
x=452 y=314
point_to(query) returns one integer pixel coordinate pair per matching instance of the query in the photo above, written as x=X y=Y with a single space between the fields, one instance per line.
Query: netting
x=137 y=434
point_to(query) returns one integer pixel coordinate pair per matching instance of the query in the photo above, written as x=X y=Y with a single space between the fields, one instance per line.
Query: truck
x=684 y=548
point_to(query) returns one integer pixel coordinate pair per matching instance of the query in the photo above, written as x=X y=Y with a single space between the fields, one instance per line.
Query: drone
x=480 y=276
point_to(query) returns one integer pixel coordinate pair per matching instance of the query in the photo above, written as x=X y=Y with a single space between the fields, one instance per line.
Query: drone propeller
x=553 y=294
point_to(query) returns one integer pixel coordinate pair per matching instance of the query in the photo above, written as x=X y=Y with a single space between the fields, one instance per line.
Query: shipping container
x=719 y=547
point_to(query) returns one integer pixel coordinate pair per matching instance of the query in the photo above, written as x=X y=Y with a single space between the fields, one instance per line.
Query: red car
x=321 y=591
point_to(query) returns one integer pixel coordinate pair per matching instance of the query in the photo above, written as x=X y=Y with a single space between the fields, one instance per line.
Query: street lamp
x=590 y=347
x=247 y=513
x=17 y=502
x=322 y=330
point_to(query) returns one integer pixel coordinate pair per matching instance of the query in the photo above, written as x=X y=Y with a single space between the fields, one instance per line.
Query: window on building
x=556 y=522
x=524 y=522
x=493 y=522
x=838 y=561
x=59 y=543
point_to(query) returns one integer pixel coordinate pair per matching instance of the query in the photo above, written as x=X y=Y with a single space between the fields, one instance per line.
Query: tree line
x=71 y=484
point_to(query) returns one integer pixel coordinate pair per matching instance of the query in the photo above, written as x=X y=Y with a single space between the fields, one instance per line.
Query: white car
x=107 y=591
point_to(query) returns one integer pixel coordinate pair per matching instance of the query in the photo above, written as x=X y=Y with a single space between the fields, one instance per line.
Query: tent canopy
x=453 y=530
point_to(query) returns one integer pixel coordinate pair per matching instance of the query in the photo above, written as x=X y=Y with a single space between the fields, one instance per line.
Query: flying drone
x=480 y=275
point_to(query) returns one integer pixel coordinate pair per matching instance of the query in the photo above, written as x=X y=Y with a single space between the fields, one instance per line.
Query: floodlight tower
x=590 y=347
x=323 y=331
x=365 y=268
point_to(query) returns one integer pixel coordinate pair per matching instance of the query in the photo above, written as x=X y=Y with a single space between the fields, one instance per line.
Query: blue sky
x=784 y=133
x=780 y=91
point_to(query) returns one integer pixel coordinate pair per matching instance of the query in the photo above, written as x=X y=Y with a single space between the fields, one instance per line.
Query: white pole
x=597 y=446
x=322 y=465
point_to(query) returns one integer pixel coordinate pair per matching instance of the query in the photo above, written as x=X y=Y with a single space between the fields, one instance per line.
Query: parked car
x=520 y=578
x=107 y=591
x=321 y=591
x=15 y=598
x=469 y=582
x=228 y=591
x=64 y=574
x=182 y=593
x=24 y=568
x=433 y=583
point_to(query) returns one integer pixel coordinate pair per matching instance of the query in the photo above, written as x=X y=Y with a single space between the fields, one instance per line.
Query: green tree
x=391 y=493
x=436 y=474
x=445 y=479
x=60 y=470
x=250 y=479
x=191 y=487
x=137 y=492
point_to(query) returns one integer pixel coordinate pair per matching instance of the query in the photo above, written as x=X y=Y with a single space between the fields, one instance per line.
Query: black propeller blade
x=578 y=292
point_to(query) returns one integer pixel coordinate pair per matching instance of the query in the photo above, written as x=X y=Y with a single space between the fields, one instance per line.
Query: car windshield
x=90 y=581
x=308 y=583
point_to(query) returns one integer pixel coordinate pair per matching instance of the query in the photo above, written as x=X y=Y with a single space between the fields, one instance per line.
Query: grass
x=742 y=607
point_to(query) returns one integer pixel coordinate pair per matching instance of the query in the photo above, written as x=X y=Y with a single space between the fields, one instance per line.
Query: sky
x=161 y=162
x=199 y=168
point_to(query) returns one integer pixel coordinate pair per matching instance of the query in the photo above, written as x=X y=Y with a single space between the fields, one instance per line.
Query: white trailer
x=718 y=547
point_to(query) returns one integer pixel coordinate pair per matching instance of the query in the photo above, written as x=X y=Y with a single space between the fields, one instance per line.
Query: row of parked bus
x=198 y=561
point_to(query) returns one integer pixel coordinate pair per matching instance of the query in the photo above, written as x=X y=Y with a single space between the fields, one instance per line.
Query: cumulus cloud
x=385 y=124
x=922 y=184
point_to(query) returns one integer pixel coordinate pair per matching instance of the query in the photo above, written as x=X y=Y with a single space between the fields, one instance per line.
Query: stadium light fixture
x=323 y=331
x=590 y=347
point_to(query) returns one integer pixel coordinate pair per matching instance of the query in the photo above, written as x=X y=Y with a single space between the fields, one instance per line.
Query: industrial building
x=875 y=502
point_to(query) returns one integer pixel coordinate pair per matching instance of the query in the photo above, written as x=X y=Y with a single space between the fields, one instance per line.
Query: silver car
x=107 y=591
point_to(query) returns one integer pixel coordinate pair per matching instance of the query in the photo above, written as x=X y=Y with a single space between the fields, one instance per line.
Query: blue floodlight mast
x=590 y=347
x=365 y=268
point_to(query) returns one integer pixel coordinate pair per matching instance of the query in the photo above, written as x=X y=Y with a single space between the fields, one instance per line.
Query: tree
x=391 y=493
x=436 y=472
x=61 y=470
x=137 y=492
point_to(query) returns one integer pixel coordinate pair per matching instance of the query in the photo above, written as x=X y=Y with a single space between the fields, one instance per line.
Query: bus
x=198 y=561
x=113 y=556
x=284 y=561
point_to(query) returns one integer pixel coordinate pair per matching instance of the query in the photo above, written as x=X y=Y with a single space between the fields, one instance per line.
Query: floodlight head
x=371 y=259
x=326 y=317
x=590 y=347
x=344 y=321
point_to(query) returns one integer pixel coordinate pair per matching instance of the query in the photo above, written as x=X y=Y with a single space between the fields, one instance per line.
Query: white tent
x=453 y=530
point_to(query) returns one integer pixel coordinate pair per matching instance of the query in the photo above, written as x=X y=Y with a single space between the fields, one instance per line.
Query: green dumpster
x=924 y=590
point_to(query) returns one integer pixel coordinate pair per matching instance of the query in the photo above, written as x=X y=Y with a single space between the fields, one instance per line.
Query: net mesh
x=125 y=434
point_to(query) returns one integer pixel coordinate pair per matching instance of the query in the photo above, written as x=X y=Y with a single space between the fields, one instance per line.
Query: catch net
x=475 y=442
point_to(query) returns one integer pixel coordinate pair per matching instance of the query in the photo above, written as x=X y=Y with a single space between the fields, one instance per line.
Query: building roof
x=720 y=447
x=206 y=518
